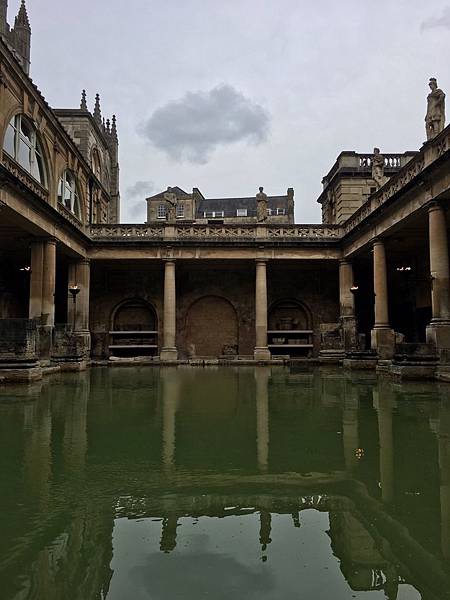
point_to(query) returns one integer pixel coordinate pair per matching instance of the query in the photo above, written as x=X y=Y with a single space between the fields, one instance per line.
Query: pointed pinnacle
x=22 y=16
x=83 y=103
x=97 y=110
x=114 y=127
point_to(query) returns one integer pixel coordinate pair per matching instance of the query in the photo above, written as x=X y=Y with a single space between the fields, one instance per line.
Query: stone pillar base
x=262 y=354
x=438 y=334
x=383 y=342
x=350 y=338
x=169 y=355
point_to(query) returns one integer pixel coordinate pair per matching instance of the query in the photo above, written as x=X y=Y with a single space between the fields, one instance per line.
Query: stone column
x=48 y=284
x=438 y=332
x=261 y=350
x=36 y=279
x=383 y=337
x=262 y=417
x=71 y=281
x=83 y=274
x=169 y=350
x=347 y=305
x=80 y=345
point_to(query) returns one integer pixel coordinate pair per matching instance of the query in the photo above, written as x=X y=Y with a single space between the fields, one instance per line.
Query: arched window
x=96 y=164
x=22 y=144
x=68 y=193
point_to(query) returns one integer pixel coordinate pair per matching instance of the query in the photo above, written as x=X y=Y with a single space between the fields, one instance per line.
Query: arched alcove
x=134 y=329
x=290 y=328
x=212 y=328
x=289 y=315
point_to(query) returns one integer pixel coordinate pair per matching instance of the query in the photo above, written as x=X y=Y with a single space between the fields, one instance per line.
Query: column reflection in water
x=383 y=403
x=350 y=425
x=170 y=398
x=37 y=465
x=75 y=431
x=262 y=375
x=444 y=467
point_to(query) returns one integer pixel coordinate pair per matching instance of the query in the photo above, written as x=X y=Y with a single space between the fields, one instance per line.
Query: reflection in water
x=257 y=483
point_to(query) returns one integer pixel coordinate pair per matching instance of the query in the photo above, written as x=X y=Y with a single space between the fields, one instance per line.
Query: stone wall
x=18 y=340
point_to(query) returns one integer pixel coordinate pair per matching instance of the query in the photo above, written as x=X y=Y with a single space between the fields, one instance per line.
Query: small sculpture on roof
x=171 y=200
x=435 y=117
x=262 y=204
x=378 y=168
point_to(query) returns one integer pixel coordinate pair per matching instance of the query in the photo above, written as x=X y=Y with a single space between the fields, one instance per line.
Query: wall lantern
x=74 y=290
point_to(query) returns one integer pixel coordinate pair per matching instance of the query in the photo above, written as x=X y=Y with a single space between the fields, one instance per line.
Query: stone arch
x=134 y=314
x=212 y=328
x=133 y=329
x=290 y=314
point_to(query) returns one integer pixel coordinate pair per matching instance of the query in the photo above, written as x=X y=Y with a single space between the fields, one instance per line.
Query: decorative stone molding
x=25 y=178
x=216 y=232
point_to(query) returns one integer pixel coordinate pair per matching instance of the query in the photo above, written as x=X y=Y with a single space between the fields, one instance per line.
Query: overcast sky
x=228 y=96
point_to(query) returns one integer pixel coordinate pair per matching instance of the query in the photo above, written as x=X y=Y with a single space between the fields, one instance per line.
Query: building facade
x=231 y=279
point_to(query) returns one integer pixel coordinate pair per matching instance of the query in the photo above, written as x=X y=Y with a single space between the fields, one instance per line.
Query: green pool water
x=267 y=483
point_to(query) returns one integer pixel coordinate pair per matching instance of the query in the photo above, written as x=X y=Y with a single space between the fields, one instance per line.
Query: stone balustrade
x=431 y=152
x=230 y=232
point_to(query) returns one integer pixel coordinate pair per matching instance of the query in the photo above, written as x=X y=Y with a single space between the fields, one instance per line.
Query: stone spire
x=114 y=128
x=3 y=17
x=83 y=103
x=22 y=18
x=108 y=126
x=21 y=37
x=97 y=110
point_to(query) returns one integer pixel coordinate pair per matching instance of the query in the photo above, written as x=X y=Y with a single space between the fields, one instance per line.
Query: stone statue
x=262 y=204
x=435 y=118
x=378 y=168
x=171 y=201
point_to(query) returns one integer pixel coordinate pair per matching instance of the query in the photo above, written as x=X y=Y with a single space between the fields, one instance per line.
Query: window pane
x=24 y=155
x=40 y=169
x=76 y=205
x=9 y=141
x=35 y=169
x=60 y=190
x=26 y=131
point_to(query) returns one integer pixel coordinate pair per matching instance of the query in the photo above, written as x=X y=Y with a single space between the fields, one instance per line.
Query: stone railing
x=232 y=232
x=431 y=151
x=391 y=161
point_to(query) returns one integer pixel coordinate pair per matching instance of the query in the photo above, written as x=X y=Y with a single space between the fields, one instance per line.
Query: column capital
x=169 y=260
x=377 y=241
x=263 y=261
x=83 y=261
x=435 y=205
x=345 y=261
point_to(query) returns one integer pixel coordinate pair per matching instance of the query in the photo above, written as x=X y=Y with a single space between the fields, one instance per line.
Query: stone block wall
x=18 y=340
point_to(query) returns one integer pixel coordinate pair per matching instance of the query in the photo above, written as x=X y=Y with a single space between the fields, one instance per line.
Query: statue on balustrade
x=378 y=168
x=171 y=202
x=262 y=205
x=435 y=117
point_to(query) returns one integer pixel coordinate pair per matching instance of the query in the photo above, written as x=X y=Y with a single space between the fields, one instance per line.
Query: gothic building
x=231 y=280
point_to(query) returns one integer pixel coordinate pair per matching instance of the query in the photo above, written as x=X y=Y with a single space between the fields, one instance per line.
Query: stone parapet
x=231 y=232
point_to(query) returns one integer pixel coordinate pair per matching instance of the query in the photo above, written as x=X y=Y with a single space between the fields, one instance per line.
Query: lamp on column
x=74 y=290
x=354 y=288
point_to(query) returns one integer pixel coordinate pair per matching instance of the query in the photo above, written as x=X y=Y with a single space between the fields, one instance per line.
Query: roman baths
x=219 y=401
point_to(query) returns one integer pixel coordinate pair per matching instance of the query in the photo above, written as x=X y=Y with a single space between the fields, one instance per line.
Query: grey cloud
x=191 y=128
x=439 y=21
x=140 y=189
x=134 y=205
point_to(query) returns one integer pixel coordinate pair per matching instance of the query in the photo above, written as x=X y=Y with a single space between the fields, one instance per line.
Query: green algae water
x=268 y=483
